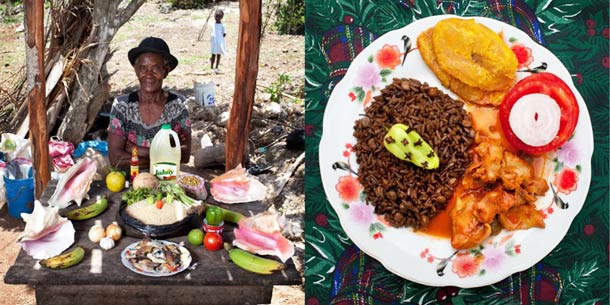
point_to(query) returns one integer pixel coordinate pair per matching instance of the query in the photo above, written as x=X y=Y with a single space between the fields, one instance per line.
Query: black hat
x=153 y=45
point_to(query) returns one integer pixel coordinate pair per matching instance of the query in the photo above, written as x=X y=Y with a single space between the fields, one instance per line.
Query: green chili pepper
x=406 y=144
x=213 y=215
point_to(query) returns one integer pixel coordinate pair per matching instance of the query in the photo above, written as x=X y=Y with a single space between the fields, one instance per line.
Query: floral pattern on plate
x=374 y=74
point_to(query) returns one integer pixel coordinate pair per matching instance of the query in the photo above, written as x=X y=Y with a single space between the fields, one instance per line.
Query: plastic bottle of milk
x=165 y=158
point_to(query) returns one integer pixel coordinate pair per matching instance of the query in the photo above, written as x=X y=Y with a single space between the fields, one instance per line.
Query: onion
x=114 y=231
x=535 y=119
x=96 y=233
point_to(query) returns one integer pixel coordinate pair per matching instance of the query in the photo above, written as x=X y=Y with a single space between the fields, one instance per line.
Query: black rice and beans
x=406 y=194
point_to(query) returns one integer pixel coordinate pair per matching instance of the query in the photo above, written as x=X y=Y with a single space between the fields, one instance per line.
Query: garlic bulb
x=96 y=233
x=107 y=243
x=114 y=230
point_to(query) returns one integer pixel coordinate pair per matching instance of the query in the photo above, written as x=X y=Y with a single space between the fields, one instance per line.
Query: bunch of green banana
x=90 y=211
x=65 y=260
x=251 y=262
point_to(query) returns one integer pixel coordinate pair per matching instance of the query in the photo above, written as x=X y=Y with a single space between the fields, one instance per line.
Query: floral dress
x=126 y=122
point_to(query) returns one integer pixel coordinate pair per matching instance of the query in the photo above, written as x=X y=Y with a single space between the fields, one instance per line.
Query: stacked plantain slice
x=470 y=59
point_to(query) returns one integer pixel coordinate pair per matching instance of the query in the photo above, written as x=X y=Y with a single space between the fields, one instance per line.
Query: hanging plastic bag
x=15 y=147
x=204 y=93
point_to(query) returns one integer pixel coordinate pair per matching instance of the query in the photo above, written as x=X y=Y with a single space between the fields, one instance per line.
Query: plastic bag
x=101 y=146
x=204 y=93
x=15 y=147
x=193 y=185
x=2 y=187
x=61 y=152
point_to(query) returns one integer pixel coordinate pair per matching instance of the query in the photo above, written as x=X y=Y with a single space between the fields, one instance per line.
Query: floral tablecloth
x=576 y=272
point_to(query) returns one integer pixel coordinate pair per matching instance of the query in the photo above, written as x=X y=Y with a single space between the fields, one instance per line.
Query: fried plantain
x=464 y=91
x=474 y=54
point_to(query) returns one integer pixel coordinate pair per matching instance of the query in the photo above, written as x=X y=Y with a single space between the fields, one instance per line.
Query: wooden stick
x=34 y=17
x=205 y=25
x=248 y=47
x=281 y=182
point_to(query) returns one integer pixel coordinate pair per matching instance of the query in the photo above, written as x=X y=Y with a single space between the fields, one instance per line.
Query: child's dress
x=218 y=40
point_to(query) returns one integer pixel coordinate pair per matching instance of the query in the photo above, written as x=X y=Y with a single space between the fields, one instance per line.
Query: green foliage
x=10 y=11
x=276 y=89
x=290 y=17
x=189 y=4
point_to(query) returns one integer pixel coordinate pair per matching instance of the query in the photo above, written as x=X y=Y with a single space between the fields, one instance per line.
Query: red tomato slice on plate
x=548 y=84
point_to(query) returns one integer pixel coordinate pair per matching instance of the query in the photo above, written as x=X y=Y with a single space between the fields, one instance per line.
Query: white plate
x=183 y=265
x=416 y=256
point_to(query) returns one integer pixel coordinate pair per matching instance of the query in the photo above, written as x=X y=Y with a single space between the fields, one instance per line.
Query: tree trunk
x=88 y=92
x=34 y=20
x=248 y=47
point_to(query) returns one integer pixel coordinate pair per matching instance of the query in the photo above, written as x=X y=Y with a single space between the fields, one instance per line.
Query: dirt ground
x=279 y=54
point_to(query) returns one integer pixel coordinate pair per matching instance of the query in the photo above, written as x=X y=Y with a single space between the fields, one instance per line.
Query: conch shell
x=74 y=184
x=262 y=234
x=46 y=234
x=237 y=186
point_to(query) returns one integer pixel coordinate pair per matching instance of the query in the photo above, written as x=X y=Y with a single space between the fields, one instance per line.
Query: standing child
x=218 y=40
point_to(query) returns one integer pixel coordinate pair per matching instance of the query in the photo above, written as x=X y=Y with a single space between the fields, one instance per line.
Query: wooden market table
x=105 y=280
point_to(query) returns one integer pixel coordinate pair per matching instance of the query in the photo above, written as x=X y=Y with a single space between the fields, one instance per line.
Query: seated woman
x=135 y=118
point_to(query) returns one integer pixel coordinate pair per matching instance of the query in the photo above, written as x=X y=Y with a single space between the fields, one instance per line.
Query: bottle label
x=165 y=170
x=134 y=171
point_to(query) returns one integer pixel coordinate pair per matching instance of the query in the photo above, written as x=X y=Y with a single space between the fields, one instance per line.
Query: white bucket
x=204 y=93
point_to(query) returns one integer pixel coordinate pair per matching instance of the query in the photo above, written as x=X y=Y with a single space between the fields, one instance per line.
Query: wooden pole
x=246 y=71
x=34 y=51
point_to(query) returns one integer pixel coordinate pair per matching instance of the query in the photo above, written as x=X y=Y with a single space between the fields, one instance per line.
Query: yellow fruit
x=115 y=182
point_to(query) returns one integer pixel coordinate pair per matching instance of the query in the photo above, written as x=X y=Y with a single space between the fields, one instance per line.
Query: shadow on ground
x=8 y=223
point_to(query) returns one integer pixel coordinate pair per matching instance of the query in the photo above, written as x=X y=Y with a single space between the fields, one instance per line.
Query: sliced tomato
x=551 y=85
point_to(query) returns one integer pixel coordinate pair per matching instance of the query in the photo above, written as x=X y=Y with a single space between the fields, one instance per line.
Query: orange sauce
x=440 y=225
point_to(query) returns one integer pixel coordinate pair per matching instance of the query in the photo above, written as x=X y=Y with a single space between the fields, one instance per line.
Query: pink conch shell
x=74 y=184
x=46 y=234
x=260 y=234
x=236 y=186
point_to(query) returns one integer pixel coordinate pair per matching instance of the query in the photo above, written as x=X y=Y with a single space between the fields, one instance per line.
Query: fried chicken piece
x=522 y=217
x=467 y=230
x=488 y=166
x=514 y=171
x=464 y=91
x=536 y=185
x=474 y=54
x=493 y=203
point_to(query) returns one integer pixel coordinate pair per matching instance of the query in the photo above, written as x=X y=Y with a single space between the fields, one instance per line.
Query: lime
x=195 y=237
x=115 y=182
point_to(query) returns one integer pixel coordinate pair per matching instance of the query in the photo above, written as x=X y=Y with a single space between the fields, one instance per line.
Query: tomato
x=212 y=241
x=551 y=85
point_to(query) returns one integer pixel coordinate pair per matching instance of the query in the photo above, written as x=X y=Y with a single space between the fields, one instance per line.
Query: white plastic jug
x=165 y=158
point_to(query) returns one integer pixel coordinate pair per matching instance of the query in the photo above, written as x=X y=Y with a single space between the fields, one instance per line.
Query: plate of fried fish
x=156 y=258
x=456 y=151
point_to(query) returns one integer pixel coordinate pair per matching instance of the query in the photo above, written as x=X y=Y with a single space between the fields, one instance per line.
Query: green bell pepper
x=213 y=215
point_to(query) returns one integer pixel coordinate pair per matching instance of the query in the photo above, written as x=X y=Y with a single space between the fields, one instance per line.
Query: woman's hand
x=185 y=146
